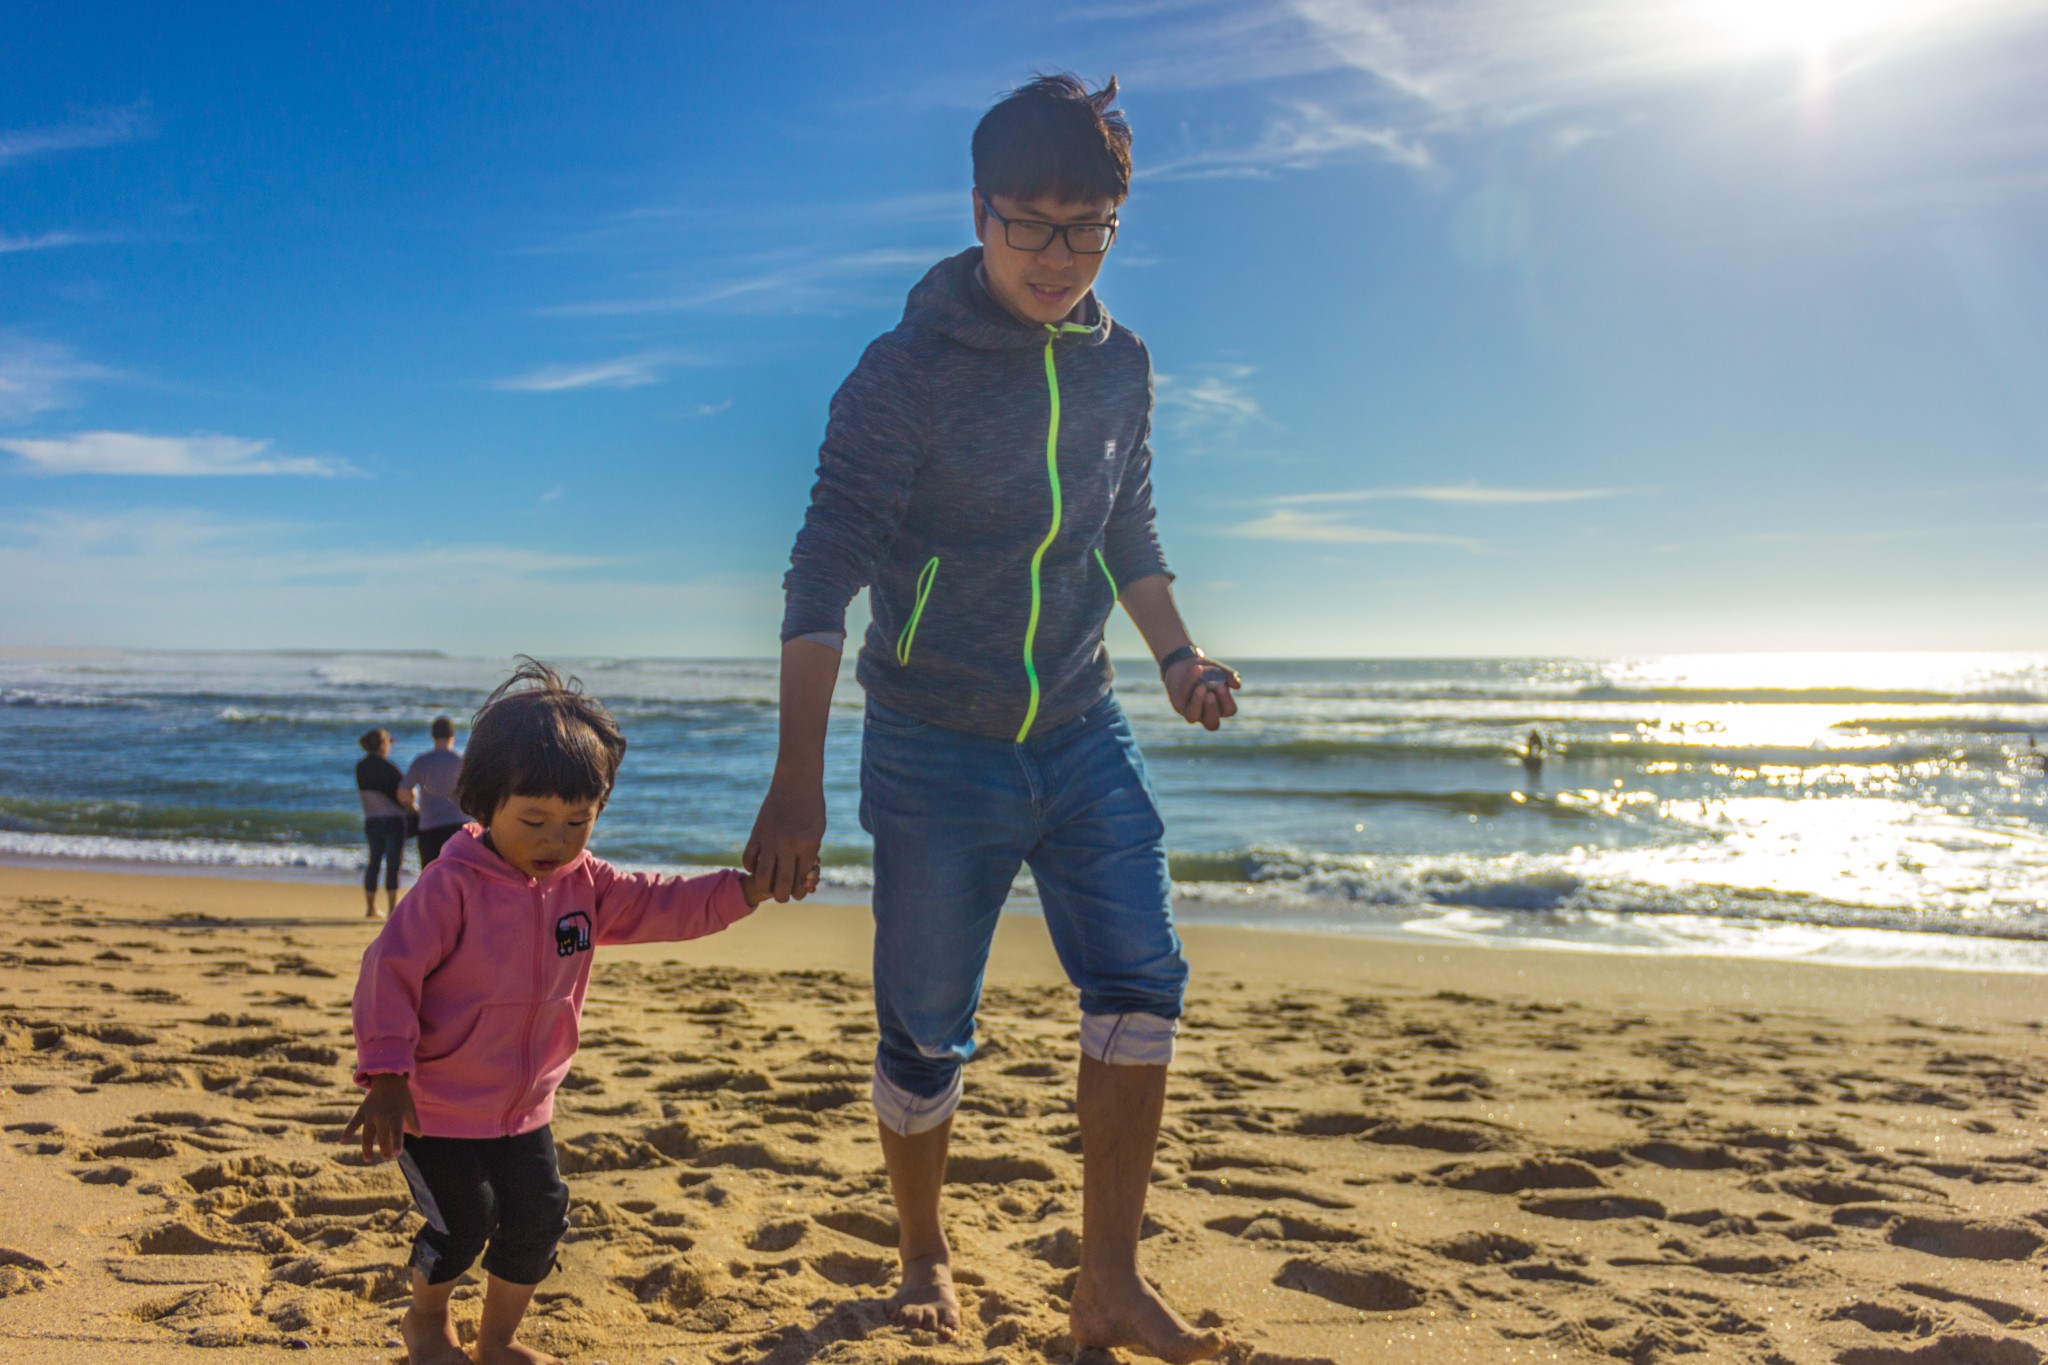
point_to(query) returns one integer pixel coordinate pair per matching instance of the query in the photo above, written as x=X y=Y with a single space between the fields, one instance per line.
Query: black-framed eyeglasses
x=1023 y=234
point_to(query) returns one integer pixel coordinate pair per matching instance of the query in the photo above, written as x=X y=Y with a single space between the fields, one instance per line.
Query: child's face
x=537 y=834
x=1038 y=286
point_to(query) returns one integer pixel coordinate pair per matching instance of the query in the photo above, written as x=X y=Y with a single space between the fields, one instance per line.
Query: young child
x=467 y=1007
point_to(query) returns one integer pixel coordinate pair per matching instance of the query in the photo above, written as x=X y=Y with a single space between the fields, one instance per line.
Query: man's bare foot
x=1127 y=1312
x=514 y=1353
x=925 y=1301
x=430 y=1340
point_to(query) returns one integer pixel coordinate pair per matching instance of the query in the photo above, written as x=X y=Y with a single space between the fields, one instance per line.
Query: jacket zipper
x=925 y=580
x=532 y=1013
x=1114 y=594
x=1052 y=474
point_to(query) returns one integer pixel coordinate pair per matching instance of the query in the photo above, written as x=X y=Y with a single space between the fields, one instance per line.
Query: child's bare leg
x=429 y=1334
x=504 y=1306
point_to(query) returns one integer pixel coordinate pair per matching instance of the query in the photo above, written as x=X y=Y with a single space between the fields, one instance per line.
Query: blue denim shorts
x=954 y=817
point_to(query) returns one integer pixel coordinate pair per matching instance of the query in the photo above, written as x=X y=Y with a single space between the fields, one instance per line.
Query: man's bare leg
x=497 y=1331
x=917 y=1171
x=428 y=1333
x=1113 y=1305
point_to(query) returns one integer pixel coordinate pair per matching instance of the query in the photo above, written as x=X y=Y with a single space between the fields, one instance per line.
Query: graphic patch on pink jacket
x=474 y=988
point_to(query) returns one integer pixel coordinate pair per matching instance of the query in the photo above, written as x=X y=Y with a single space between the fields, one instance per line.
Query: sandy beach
x=1373 y=1151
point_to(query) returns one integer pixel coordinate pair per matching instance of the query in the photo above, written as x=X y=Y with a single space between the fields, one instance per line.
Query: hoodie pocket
x=927 y=578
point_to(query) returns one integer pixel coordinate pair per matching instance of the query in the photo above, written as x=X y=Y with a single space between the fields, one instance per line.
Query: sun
x=1812 y=27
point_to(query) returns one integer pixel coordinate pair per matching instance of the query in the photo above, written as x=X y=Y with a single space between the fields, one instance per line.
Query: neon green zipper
x=1113 y=590
x=925 y=580
x=1052 y=474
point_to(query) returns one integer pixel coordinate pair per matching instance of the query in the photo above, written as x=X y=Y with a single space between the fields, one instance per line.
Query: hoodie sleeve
x=644 y=907
x=879 y=428
x=1130 y=543
x=421 y=932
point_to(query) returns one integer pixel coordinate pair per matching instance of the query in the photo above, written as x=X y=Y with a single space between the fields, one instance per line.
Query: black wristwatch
x=1178 y=655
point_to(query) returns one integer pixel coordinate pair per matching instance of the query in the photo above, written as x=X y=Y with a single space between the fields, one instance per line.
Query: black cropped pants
x=502 y=1198
x=386 y=835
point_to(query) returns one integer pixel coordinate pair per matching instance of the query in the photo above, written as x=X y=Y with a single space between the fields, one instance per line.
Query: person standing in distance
x=986 y=474
x=385 y=813
x=429 y=787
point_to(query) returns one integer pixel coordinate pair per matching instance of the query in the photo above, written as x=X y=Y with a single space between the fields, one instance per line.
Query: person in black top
x=384 y=818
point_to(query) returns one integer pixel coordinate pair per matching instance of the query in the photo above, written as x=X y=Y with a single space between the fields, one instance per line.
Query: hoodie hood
x=468 y=848
x=952 y=301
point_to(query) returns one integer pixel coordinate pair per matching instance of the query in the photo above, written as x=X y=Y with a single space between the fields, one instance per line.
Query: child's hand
x=756 y=888
x=385 y=1116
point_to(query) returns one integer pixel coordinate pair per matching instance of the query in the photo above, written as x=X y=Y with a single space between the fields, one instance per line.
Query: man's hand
x=756 y=890
x=782 y=855
x=385 y=1116
x=1200 y=690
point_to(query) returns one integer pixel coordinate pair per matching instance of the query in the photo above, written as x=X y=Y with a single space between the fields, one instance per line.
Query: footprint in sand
x=1265 y=1189
x=868 y=1225
x=2003 y=1313
x=1958 y=1348
x=21 y=1273
x=1279 y=1227
x=1594 y=1207
x=1513 y=1177
x=1966 y=1239
x=1353 y=1282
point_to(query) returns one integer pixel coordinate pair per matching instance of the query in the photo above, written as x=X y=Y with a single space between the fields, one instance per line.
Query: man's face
x=1038 y=286
x=537 y=834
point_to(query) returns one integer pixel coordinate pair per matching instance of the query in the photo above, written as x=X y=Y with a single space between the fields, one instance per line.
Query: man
x=986 y=473
x=429 y=787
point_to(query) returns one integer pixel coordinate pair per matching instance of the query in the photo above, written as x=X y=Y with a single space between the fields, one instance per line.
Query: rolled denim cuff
x=906 y=1114
x=1129 y=1039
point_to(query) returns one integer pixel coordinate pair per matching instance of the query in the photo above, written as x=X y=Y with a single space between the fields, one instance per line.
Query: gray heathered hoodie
x=991 y=572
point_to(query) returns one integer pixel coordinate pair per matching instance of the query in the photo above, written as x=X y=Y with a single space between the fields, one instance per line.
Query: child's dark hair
x=1054 y=139
x=538 y=735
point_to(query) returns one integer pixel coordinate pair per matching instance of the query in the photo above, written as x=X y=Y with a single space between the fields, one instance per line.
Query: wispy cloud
x=47 y=241
x=1302 y=136
x=1329 y=528
x=187 y=578
x=1219 y=393
x=711 y=409
x=1208 y=408
x=1469 y=494
x=37 y=376
x=622 y=372
x=126 y=452
x=99 y=128
x=791 y=283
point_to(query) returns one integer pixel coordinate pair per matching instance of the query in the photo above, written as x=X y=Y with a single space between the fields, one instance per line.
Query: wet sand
x=1374 y=1151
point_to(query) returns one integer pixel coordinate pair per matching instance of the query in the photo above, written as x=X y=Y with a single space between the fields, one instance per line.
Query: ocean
x=1873 y=808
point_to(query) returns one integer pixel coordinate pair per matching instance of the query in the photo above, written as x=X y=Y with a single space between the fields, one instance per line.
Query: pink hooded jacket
x=474 y=988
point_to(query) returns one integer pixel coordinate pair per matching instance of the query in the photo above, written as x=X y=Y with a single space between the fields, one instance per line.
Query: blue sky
x=1592 y=326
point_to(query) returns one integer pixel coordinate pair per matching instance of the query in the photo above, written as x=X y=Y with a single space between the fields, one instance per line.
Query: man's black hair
x=443 y=728
x=539 y=734
x=1053 y=138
